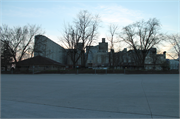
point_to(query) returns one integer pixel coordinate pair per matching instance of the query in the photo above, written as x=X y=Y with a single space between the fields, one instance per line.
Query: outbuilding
x=39 y=63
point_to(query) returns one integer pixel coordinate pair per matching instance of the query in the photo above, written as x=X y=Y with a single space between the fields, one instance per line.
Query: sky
x=51 y=15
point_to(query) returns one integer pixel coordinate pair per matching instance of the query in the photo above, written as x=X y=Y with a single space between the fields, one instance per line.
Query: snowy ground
x=90 y=96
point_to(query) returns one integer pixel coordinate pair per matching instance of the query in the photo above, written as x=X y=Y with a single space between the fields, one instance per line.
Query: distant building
x=77 y=52
x=103 y=46
x=155 y=61
x=174 y=64
x=128 y=59
x=47 y=48
x=91 y=51
x=97 y=56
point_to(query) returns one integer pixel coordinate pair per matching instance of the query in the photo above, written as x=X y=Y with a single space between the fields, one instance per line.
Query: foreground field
x=90 y=96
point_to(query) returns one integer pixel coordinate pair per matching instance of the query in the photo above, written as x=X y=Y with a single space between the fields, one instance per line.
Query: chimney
x=103 y=40
x=112 y=50
x=125 y=50
x=164 y=53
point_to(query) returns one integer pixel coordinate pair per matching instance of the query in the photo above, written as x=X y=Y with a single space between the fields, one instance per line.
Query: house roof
x=38 y=60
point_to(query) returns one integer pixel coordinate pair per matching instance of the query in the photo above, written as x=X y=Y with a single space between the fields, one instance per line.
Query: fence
x=96 y=71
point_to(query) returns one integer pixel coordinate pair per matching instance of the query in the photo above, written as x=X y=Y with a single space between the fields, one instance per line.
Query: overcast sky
x=52 y=14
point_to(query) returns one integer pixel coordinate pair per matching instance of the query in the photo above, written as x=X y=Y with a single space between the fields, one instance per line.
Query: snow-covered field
x=89 y=96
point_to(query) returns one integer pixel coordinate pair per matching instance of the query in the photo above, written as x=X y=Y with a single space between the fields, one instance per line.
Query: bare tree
x=84 y=31
x=112 y=32
x=20 y=39
x=87 y=25
x=174 y=39
x=6 y=57
x=70 y=41
x=155 y=59
x=141 y=37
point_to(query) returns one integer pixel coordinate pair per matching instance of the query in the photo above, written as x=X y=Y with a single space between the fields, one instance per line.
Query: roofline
x=48 y=39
